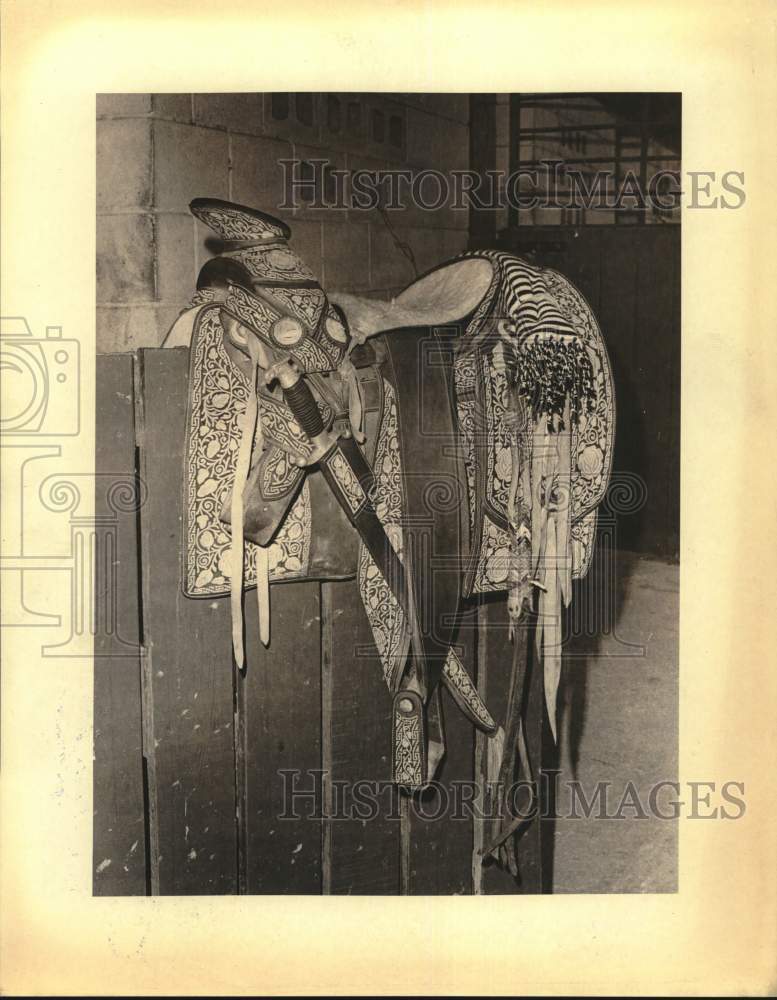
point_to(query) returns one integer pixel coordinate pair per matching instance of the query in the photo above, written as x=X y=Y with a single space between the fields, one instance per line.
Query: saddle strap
x=355 y=400
x=501 y=770
x=251 y=435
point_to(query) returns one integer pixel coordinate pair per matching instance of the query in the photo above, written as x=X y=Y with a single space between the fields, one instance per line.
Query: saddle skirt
x=289 y=511
x=533 y=322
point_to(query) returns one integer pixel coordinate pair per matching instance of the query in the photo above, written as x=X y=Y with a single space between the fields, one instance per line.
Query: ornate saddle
x=468 y=447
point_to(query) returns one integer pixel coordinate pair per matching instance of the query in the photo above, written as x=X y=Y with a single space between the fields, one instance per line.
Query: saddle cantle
x=462 y=451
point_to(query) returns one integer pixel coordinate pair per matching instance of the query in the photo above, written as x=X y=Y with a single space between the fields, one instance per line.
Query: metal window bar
x=628 y=138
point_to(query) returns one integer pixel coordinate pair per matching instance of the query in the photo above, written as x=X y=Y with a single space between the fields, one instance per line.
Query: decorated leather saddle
x=463 y=451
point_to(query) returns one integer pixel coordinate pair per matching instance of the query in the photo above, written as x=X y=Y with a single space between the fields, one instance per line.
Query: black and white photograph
x=387 y=502
x=395 y=380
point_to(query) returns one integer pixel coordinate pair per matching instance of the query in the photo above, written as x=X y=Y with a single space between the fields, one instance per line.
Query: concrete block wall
x=155 y=152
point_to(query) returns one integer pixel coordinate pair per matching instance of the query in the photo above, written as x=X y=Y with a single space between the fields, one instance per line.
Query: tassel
x=347 y=372
x=564 y=510
x=495 y=749
x=237 y=552
x=252 y=437
x=552 y=369
x=262 y=558
x=516 y=423
x=550 y=606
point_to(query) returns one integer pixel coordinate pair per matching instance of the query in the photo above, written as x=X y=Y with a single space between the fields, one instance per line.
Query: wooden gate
x=211 y=781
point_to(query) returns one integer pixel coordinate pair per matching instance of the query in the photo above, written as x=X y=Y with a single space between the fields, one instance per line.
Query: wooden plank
x=188 y=675
x=119 y=835
x=496 y=656
x=279 y=701
x=361 y=855
x=440 y=827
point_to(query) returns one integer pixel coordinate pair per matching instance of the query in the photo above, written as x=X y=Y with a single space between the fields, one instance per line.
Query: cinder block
x=427 y=246
x=123 y=164
x=123 y=105
x=389 y=266
x=177 y=107
x=327 y=194
x=236 y=112
x=306 y=242
x=357 y=162
x=189 y=162
x=346 y=257
x=343 y=123
x=125 y=258
x=382 y=117
x=112 y=329
x=176 y=262
x=453 y=242
x=206 y=244
x=436 y=142
x=257 y=175
x=302 y=121
x=126 y=328
x=455 y=106
x=391 y=271
x=432 y=199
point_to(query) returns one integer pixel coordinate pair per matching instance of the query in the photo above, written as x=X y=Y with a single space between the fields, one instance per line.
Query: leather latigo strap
x=433 y=531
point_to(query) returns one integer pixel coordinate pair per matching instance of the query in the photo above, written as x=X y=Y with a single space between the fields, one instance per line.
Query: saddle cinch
x=468 y=445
